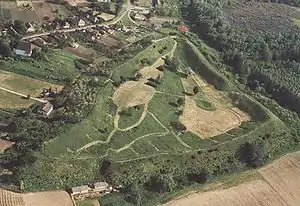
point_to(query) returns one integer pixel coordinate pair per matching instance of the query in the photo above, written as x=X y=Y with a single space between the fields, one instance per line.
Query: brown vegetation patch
x=83 y=52
x=133 y=93
x=109 y=41
x=261 y=16
x=4 y=144
x=52 y=198
x=210 y=123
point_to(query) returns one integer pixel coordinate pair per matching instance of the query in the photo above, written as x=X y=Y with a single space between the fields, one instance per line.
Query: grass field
x=151 y=53
x=148 y=131
x=58 y=68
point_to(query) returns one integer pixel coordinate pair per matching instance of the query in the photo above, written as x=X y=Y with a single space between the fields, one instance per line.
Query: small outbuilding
x=101 y=186
x=80 y=190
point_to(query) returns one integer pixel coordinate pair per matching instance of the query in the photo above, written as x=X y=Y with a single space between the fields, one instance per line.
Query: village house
x=139 y=17
x=80 y=190
x=102 y=187
x=23 y=49
x=74 y=45
x=30 y=28
x=183 y=28
x=45 y=109
x=66 y=25
x=81 y=23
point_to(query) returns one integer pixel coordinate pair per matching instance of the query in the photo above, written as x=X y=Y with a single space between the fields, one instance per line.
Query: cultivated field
x=45 y=9
x=21 y=84
x=279 y=186
x=53 y=198
x=9 y=11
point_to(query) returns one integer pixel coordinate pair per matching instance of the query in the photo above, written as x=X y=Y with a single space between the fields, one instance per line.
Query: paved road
x=128 y=8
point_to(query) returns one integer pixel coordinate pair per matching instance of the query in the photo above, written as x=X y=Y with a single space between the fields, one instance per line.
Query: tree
x=12 y=127
x=5 y=49
x=196 y=89
x=253 y=154
x=162 y=183
x=20 y=26
x=28 y=96
x=180 y=101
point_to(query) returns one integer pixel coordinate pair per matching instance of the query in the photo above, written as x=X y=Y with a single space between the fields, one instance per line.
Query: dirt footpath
x=280 y=186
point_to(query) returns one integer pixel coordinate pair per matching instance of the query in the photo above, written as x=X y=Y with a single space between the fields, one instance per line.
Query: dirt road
x=22 y=95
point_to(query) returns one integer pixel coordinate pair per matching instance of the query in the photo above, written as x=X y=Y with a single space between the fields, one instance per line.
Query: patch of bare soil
x=261 y=16
x=206 y=123
x=210 y=123
x=52 y=198
x=4 y=144
x=133 y=93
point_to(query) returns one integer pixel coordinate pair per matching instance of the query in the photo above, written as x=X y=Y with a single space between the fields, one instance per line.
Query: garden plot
x=50 y=10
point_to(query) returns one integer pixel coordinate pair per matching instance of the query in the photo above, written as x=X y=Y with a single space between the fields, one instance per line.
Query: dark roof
x=24 y=46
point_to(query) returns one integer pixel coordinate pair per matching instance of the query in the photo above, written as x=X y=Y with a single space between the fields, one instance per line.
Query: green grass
x=204 y=104
x=90 y=129
x=9 y=100
x=190 y=56
x=86 y=202
x=134 y=65
x=58 y=69
x=296 y=21
x=171 y=83
x=161 y=108
x=132 y=117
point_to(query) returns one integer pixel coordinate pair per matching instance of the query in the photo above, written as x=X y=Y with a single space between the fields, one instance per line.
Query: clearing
x=260 y=16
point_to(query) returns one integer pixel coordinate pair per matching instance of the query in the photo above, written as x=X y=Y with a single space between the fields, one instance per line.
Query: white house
x=81 y=23
x=66 y=25
x=30 y=28
x=46 y=109
x=23 y=49
x=139 y=17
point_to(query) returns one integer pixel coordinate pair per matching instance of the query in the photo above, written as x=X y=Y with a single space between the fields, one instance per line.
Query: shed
x=101 y=186
x=80 y=190
x=139 y=17
x=81 y=23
